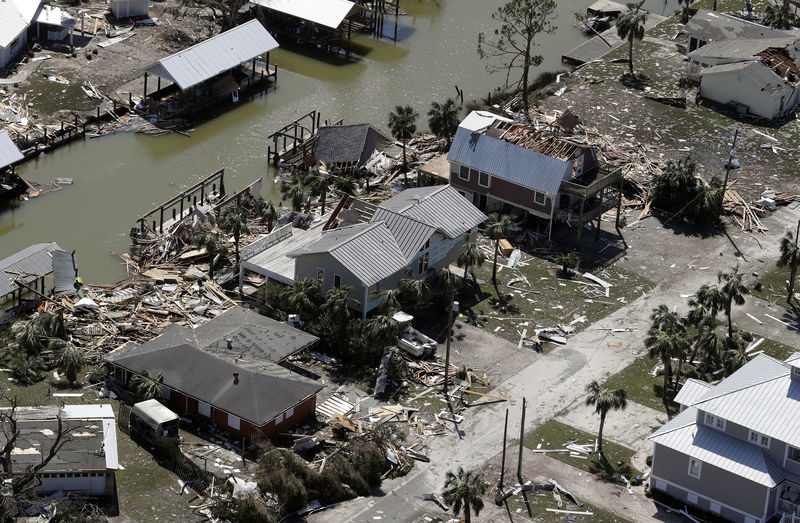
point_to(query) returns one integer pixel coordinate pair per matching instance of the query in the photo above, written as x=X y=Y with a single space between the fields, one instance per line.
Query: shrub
x=678 y=189
x=98 y=374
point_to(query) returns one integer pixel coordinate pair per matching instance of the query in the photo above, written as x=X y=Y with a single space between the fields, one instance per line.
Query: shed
x=129 y=8
x=29 y=266
x=162 y=422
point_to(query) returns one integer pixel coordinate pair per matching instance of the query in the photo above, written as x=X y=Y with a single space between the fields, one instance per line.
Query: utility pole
x=521 y=442
x=503 y=462
x=728 y=168
x=449 y=330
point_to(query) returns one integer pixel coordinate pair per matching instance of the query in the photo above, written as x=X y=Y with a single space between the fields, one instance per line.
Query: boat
x=413 y=341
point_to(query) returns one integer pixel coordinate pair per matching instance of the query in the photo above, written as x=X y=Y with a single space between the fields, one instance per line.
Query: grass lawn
x=547 y=301
x=774 y=286
x=553 y=435
x=542 y=500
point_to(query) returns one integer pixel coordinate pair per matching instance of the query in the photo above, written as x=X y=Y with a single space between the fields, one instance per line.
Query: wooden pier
x=297 y=139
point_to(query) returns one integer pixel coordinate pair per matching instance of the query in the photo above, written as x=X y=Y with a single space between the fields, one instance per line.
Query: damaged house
x=758 y=77
x=708 y=26
x=16 y=16
x=348 y=148
x=370 y=248
x=536 y=173
x=734 y=450
x=227 y=373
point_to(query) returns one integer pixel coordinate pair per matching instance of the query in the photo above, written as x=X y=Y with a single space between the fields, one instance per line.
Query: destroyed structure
x=11 y=185
x=537 y=172
x=87 y=462
x=347 y=148
x=226 y=373
x=712 y=26
x=758 y=77
x=370 y=248
x=734 y=450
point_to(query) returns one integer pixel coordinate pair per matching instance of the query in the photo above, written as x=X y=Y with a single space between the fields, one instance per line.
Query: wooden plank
x=575 y=512
x=484 y=395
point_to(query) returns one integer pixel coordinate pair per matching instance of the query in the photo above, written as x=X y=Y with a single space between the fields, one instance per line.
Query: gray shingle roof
x=509 y=162
x=409 y=233
x=348 y=143
x=9 y=152
x=714 y=26
x=441 y=206
x=216 y=55
x=35 y=259
x=718 y=449
x=739 y=48
x=256 y=397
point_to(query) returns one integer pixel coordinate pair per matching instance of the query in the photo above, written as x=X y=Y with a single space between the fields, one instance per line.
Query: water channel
x=117 y=178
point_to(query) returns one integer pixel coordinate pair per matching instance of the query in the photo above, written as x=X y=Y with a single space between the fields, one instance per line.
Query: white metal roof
x=479 y=120
x=9 y=152
x=691 y=391
x=216 y=55
x=102 y=411
x=52 y=15
x=717 y=449
x=15 y=17
x=330 y=13
x=105 y=413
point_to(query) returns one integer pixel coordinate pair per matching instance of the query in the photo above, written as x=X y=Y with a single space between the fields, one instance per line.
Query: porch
x=587 y=198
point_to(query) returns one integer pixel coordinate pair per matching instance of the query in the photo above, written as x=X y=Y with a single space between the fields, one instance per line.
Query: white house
x=129 y=8
x=15 y=18
x=752 y=86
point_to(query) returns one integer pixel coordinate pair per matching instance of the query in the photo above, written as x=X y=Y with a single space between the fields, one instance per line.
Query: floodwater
x=120 y=177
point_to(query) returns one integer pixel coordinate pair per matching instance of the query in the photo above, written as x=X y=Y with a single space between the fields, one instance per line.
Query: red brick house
x=225 y=373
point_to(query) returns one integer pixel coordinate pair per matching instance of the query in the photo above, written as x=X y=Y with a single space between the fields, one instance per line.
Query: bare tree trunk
x=667 y=373
x=630 y=54
x=600 y=433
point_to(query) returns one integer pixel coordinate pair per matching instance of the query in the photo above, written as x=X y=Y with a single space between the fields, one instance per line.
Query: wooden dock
x=597 y=47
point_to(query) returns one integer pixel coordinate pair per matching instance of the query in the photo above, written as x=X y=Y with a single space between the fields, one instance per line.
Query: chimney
x=229 y=341
x=235 y=378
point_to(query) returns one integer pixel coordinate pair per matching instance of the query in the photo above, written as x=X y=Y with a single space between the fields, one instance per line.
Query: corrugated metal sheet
x=64 y=268
x=35 y=259
x=372 y=255
x=509 y=162
x=720 y=450
x=480 y=120
x=691 y=391
x=441 y=206
x=9 y=152
x=329 y=13
x=409 y=233
x=15 y=17
x=218 y=54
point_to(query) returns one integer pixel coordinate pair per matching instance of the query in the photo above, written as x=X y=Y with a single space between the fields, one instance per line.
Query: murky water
x=118 y=178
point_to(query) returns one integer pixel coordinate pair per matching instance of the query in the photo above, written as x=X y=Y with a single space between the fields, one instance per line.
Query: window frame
x=759 y=439
x=789 y=449
x=461 y=170
x=337 y=281
x=234 y=422
x=714 y=421
x=488 y=179
x=321 y=274
x=699 y=468
x=536 y=195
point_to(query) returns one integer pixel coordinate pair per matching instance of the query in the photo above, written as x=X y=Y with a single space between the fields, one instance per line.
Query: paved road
x=556 y=382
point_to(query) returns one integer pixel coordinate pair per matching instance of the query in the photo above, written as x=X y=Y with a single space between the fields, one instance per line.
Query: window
x=714 y=421
x=13 y=43
x=422 y=264
x=337 y=281
x=691 y=498
x=483 y=179
x=539 y=198
x=233 y=422
x=715 y=508
x=795 y=370
x=794 y=454
x=426 y=246
x=289 y=413
x=694 y=467
x=759 y=439
x=278 y=418
x=204 y=409
x=463 y=173
x=320 y=274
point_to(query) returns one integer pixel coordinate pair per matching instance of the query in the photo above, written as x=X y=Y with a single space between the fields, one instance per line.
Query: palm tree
x=568 y=261
x=790 y=255
x=337 y=304
x=295 y=190
x=665 y=340
x=403 y=123
x=630 y=26
x=415 y=291
x=266 y=212
x=497 y=229
x=144 y=387
x=70 y=359
x=604 y=400
x=319 y=184
x=50 y=325
x=234 y=221
x=443 y=119
x=465 y=490
x=30 y=340
x=711 y=298
x=344 y=184
x=26 y=367
x=734 y=292
x=707 y=341
x=381 y=331
x=305 y=298
x=685 y=11
x=213 y=248
x=470 y=258
x=733 y=360
x=390 y=302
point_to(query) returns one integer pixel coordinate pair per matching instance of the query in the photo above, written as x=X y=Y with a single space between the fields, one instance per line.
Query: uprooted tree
x=20 y=484
x=227 y=10
x=510 y=46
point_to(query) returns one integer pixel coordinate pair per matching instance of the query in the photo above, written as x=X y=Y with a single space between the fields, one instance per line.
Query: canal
x=119 y=177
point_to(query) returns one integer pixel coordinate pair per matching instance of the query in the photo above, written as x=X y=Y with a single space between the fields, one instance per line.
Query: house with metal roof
x=756 y=76
x=369 y=248
x=31 y=267
x=734 y=449
x=227 y=372
x=510 y=168
x=317 y=22
x=11 y=185
x=214 y=69
x=348 y=147
x=15 y=18
x=712 y=26
x=87 y=462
